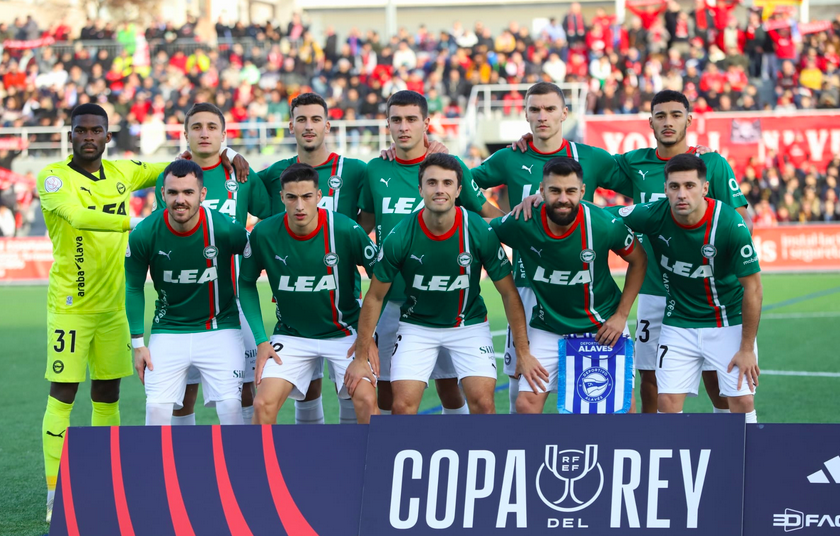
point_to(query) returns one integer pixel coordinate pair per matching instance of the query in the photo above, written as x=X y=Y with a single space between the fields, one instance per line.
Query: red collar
x=322 y=218
x=448 y=234
x=707 y=217
x=186 y=233
x=578 y=220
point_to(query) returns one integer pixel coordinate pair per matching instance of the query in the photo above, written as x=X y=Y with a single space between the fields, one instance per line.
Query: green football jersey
x=391 y=191
x=570 y=274
x=191 y=272
x=641 y=175
x=226 y=195
x=443 y=272
x=339 y=178
x=700 y=265
x=313 y=278
x=522 y=174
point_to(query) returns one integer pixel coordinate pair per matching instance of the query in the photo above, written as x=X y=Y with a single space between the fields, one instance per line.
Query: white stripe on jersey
x=573 y=145
x=587 y=219
x=466 y=239
x=333 y=249
x=712 y=236
x=338 y=190
x=211 y=232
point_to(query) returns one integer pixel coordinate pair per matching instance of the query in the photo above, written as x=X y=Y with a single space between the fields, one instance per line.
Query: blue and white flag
x=594 y=378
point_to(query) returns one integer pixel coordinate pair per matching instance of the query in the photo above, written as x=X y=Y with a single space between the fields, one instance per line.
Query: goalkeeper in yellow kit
x=85 y=204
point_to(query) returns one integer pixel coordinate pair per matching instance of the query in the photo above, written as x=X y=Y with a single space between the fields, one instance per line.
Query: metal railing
x=361 y=136
x=188 y=46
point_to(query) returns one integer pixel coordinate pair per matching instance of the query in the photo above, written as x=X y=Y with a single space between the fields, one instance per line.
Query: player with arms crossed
x=710 y=271
x=188 y=249
x=439 y=253
x=204 y=128
x=340 y=180
x=389 y=195
x=641 y=175
x=565 y=255
x=311 y=256
x=520 y=172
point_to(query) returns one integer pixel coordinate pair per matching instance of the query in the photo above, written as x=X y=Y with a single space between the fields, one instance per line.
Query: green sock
x=105 y=414
x=56 y=421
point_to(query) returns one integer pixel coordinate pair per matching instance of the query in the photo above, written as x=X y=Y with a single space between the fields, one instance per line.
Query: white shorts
x=217 y=355
x=649 y=315
x=419 y=348
x=529 y=300
x=250 y=355
x=301 y=356
x=545 y=347
x=386 y=341
x=682 y=352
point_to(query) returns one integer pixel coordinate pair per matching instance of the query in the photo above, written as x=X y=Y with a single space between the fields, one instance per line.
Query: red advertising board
x=739 y=135
x=25 y=259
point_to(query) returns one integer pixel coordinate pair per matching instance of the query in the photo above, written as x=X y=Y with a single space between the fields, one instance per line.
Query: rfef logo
x=569 y=467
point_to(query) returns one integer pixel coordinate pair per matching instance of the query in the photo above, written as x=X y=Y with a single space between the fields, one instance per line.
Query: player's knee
x=485 y=405
x=669 y=404
x=265 y=410
x=403 y=407
x=107 y=391
x=64 y=392
x=741 y=404
x=527 y=403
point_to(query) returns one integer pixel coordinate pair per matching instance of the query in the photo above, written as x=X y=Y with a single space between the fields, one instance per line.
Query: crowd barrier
x=699 y=475
x=785 y=248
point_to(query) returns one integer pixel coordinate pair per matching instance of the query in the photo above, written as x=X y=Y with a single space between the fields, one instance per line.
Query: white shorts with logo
x=545 y=347
x=302 y=356
x=649 y=315
x=386 y=341
x=216 y=355
x=250 y=355
x=529 y=300
x=419 y=349
x=683 y=351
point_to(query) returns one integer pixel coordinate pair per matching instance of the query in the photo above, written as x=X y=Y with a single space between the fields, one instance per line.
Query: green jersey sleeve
x=722 y=183
x=506 y=229
x=488 y=175
x=365 y=250
x=471 y=197
x=366 y=195
x=619 y=177
x=743 y=259
x=159 y=204
x=259 y=203
x=622 y=239
x=637 y=217
x=249 y=296
x=136 y=267
x=493 y=256
x=390 y=259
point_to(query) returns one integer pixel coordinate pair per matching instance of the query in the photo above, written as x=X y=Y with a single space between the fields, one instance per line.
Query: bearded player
x=340 y=180
x=189 y=250
x=439 y=252
x=389 y=195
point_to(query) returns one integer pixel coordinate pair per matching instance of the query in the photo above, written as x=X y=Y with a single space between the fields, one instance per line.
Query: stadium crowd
x=153 y=75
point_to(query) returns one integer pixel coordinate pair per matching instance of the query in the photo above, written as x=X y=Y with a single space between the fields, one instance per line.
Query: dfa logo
x=578 y=478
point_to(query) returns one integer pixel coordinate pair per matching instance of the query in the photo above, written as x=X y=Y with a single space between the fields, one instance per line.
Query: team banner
x=242 y=480
x=594 y=378
x=792 y=480
x=25 y=259
x=773 y=131
x=537 y=474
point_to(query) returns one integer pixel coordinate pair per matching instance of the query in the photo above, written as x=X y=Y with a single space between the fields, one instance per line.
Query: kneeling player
x=188 y=250
x=311 y=256
x=711 y=274
x=565 y=252
x=440 y=252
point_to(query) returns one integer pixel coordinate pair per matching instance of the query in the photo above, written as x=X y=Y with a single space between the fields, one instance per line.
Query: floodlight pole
x=805 y=11
x=390 y=18
x=619 y=11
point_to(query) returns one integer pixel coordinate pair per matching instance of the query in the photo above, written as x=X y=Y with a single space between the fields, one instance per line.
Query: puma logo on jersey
x=666 y=240
x=418 y=259
x=686 y=269
x=306 y=283
x=643 y=173
x=441 y=283
x=82 y=188
x=190 y=276
x=403 y=205
x=282 y=259
x=386 y=182
x=165 y=254
x=537 y=251
x=561 y=277
x=742 y=225
x=528 y=169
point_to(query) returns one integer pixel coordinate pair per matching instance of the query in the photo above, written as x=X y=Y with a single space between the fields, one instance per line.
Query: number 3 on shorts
x=643 y=334
x=664 y=350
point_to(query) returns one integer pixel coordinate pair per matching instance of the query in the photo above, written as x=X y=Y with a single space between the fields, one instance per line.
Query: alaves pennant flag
x=594 y=378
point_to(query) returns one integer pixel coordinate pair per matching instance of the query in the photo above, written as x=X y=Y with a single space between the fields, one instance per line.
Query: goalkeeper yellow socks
x=105 y=414
x=53 y=431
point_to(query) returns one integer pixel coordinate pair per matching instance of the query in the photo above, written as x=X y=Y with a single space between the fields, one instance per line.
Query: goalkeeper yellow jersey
x=87 y=217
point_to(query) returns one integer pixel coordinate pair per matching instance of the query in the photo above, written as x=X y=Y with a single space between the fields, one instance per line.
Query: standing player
x=565 y=255
x=204 y=128
x=641 y=174
x=310 y=255
x=710 y=271
x=340 y=179
x=439 y=252
x=389 y=195
x=520 y=172
x=189 y=250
